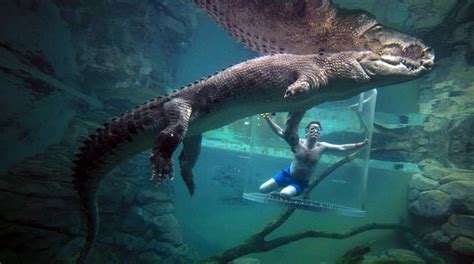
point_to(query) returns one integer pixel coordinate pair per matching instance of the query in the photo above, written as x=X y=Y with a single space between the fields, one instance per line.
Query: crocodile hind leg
x=187 y=160
x=176 y=115
x=290 y=133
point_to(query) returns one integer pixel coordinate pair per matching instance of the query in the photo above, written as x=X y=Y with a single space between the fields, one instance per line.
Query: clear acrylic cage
x=343 y=191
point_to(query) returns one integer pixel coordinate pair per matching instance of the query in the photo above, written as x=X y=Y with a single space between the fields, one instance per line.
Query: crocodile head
x=394 y=54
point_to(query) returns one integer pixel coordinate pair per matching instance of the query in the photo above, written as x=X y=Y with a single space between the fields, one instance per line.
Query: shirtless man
x=307 y=153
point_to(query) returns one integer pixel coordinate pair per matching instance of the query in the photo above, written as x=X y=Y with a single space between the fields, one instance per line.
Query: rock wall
x=443 y=200
x=66 y=67
x=440 y=136
x=65 y=58
x=442 y=196
x=415 y=16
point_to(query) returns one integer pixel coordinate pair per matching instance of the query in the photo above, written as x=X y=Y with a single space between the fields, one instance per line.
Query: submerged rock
x=451 y=200
x=463 y=245
x=459 y=190
x=399 y=256
x=437 y=239
x=422 y=183
x=124 y=240
x=245 y=261
x=457 y=176
x=458 y=225
x=434 y=203
x=148 y=196
x=435 y=173
x=149 y=257
x=355 y=255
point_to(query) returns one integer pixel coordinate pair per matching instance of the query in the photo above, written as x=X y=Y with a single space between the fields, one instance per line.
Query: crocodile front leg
x=176 y=115
x=298 y=87
x=309 y=78
x=187 y=160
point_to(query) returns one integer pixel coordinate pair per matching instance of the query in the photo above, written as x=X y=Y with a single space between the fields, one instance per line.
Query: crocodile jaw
x=390 y=65
x=391 y=53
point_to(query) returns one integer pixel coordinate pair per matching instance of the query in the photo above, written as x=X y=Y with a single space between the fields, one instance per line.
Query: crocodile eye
x=374 y=45
x=376 y=27
x=392 y=49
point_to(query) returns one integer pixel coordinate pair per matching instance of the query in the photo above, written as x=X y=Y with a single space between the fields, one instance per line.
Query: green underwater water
x=217 y=218
x=76 y=64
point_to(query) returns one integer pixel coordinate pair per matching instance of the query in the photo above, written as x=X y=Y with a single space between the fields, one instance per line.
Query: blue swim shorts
x=284 y=179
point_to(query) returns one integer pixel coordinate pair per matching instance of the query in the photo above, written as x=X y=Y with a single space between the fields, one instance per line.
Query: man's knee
x=264 y=188
x=268 y=186
x=288 y=191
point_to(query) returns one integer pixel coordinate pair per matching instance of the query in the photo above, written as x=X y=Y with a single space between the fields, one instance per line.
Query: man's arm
x=277 y=129
x=344 y=146
x=290 y=134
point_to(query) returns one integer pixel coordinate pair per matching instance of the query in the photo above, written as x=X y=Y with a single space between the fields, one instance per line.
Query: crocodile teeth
x=394 y=60
x=410 y=65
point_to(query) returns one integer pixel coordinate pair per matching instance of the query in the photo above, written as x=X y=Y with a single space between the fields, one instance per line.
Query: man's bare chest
x=308 y=155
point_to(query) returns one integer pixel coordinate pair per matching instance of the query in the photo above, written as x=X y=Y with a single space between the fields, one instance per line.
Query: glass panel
x=342 y=192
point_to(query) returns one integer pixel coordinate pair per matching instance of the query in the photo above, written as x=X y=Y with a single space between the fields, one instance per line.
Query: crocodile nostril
x=428 y=50
x=428 y=64
x=428 y=53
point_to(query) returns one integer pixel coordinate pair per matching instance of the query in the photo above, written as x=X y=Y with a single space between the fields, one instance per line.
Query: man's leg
x=276 y=182
x=289 y=191
x=268 y=186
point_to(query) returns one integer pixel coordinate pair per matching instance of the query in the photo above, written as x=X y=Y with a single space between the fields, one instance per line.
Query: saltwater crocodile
x=275 y=83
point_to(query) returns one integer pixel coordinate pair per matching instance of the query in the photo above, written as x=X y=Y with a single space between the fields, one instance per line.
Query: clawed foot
x=161 y=167
x=298 y=87
x=187 y=174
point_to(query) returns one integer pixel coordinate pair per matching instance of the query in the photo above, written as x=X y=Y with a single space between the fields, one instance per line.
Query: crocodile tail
x=85 y=182
x=89 y=205
x=101 y=151
x=98 y=155
x=86 y=186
